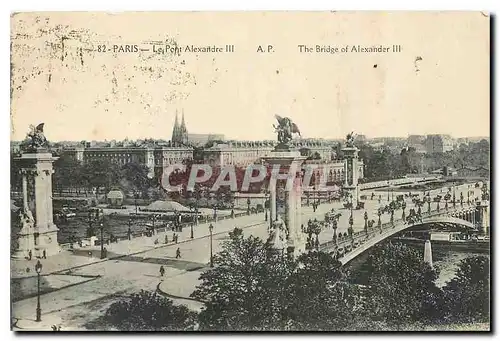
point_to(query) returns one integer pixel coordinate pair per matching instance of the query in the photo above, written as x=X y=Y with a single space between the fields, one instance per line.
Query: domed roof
x=115 y=194
x=161 y=205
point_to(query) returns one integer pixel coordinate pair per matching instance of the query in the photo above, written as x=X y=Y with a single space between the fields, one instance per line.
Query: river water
x=446 y=261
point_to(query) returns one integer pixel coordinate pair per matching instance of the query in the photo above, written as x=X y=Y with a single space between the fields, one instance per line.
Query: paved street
x=134 y=265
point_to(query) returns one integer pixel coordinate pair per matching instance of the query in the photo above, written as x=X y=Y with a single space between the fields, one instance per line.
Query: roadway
x=135 y=264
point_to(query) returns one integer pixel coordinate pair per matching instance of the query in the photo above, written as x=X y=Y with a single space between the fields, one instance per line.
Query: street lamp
x=351 y=222
x=265 y=206
x=101 y=226
x=379 y=213
x=454 y=198
x=38 y=269
x=366 y=221
x=248 y=206
x=428 y=205
x=462 y=199
x=210 y=228
x=403 y=207
x=129 y=231
x=388 y=188
x=215 y=213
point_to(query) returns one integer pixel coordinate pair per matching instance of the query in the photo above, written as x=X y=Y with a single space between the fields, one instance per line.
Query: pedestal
x=428 y=252
x=484 y=221
x=38 y=231
x=285 y=190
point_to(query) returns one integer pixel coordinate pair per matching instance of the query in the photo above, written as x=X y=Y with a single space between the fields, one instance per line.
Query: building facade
x=438 y=143
x=156 y=158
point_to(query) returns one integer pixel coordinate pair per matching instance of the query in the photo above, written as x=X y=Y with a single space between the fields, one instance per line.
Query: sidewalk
x=66 y=260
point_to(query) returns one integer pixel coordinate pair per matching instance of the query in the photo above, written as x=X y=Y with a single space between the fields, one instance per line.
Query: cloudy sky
x=438 y=83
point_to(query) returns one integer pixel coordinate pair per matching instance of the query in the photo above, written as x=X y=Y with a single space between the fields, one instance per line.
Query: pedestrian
x=30 y=255
x=156 y=241
x=178 y=253
x=166 y=238
x=44 y=254
x=162 y=271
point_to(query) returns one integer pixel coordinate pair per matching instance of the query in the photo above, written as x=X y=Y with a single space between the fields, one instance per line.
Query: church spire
x=183 y=135
x=175 y=131
x=183 y=124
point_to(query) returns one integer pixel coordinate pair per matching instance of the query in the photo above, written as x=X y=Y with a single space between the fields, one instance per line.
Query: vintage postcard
x=250 y=171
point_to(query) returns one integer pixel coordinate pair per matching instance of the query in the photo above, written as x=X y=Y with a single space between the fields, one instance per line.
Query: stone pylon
x=351 y=170
x=285 y=195
x=38 y=232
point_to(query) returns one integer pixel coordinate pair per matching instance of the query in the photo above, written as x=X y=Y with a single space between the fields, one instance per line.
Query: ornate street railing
x=344 y=245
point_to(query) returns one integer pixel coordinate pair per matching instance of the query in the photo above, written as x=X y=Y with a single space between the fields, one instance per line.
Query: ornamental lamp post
x=210 y=228
x=429 y=205
x=101 y=226
x=265 y=206
x=248 y=206
x=392 y=216
x=388 y=188
x=403 y=207
x=454 y=198
x=351 y=222
x=462 y=199
x=379 y=213
x=38 y=269
x=366 y=221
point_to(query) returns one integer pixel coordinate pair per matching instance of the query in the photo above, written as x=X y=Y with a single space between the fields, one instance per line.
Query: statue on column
x=35 y=139
x=285 y=129
x=350 y=140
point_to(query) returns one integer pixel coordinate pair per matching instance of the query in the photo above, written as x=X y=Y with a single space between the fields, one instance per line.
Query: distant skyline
x=85 y=95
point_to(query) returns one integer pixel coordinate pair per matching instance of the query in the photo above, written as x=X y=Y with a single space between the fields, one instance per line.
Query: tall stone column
x=288 y=161
x=351 y=170
x=428 y=252
x=37 y=169
x=272 y=201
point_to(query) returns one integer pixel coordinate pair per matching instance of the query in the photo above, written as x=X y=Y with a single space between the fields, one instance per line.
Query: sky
x=438 y=83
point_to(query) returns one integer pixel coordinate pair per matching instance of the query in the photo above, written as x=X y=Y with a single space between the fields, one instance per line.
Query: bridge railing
x=359 y=237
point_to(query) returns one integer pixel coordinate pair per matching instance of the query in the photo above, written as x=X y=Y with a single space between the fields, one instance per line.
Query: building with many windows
x=156 y=158
x=438 y=143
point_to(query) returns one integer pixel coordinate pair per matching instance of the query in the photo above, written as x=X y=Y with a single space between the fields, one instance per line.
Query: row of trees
x=253 y=287
x=72 y=175
x=379 y=164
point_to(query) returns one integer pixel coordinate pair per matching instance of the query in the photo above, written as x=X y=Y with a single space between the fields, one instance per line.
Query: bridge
x=346 y=247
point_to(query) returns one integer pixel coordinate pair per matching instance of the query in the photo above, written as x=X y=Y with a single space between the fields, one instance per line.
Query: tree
x=401 y=286
x=319 y=296
x=68 y=173
x=148 y=311
x=255 y=287
x=15 y=175
x=241 y=292
x=136 y=177
x=101 y=173
x=467 y=295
